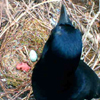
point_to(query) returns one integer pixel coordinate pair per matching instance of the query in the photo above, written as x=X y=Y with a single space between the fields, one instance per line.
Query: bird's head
x=66 y=41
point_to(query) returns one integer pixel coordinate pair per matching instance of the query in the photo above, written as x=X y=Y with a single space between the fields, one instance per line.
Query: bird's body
x=88 y=84
x=58 y=75
x=83 y=84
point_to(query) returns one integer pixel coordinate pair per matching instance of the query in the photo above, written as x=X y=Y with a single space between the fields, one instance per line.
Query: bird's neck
x=67 y=65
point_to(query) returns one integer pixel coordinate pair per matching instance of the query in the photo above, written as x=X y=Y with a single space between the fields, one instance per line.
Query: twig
x=89 y=26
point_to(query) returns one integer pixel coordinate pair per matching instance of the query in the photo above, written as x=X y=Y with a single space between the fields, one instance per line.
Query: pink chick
x=23 y=66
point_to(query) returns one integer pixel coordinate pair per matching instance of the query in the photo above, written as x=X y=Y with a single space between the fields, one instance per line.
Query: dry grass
x=26 y=26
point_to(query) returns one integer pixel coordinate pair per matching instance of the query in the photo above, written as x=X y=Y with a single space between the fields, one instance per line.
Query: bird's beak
x=64 y=18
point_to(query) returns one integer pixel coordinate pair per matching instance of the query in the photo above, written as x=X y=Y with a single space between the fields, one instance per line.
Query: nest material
x=27 y=26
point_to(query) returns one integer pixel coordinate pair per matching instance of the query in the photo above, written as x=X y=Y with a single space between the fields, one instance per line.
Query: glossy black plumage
x=59 y=74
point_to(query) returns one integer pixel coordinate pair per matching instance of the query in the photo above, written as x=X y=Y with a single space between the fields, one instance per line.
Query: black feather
x=59 y=74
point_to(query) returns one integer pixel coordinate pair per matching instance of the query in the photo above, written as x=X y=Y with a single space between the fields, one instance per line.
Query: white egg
x=33 y=55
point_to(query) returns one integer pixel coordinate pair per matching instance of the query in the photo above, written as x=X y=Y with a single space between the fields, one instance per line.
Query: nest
x=26 y=26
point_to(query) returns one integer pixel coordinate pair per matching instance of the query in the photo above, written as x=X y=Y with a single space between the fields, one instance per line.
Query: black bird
x=59 y=74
